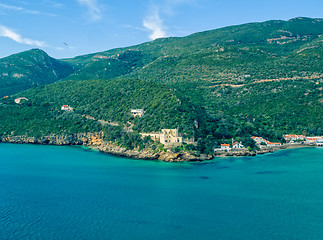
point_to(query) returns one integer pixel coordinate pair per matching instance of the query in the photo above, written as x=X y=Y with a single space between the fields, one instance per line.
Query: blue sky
x=68 y=28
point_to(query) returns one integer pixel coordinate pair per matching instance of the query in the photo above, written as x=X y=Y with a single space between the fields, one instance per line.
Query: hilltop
x=29 y=69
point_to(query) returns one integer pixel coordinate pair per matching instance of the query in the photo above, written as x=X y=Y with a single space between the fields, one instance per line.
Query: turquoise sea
x=50 y=192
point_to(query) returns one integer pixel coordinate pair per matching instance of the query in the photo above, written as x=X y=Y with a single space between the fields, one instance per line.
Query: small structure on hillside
x=18 y=100
x=66 y=108
x=137 y=112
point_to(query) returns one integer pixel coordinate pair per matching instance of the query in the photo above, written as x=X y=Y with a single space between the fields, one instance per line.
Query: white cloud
x=20 y=9
x=154 y=24
x=6 y=32
x=93 y=8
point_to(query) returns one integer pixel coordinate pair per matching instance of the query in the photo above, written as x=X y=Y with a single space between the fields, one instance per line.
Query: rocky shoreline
x=95 y=140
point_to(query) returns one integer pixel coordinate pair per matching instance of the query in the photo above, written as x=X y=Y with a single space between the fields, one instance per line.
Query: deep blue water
x=49 y=192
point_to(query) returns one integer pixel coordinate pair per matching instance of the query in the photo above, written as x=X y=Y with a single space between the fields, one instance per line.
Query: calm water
x=49 y=192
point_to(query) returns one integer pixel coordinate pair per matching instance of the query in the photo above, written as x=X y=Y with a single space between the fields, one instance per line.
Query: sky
x=69 y=28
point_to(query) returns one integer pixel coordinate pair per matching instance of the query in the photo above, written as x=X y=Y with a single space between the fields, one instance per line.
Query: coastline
x=95 y=141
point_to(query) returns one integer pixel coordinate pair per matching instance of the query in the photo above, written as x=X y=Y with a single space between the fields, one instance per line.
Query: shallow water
x=50 y=192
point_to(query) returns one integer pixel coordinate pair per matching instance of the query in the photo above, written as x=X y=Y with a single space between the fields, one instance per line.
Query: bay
x=50 y=192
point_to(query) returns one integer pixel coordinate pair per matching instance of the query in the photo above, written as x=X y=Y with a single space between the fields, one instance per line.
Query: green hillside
x=29 y=69
x=253 y=79
x=217 y=68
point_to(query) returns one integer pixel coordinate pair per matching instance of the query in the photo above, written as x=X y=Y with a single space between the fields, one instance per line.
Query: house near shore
x=66 y=108
x=137 y=112
x=273 y=144
x=263 y=142
x=313 y=140
x=319 y=142
x=225 y=146
x=293 y=137
x=18 y=100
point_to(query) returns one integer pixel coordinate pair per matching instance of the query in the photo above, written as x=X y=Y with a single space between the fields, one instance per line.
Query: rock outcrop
x=88 y=139
x=150 y=154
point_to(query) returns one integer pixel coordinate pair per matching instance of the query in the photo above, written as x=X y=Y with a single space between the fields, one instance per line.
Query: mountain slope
x=29 y=69
x=248 y=52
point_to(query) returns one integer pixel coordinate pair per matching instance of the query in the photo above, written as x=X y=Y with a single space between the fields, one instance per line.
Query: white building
x=17 y=100
x=66 y=108
x=293 y=137
x=137 y=112
x=273 y=144
x=237 y=145
x=258 y=140
x=225 y=146
x=312 y=140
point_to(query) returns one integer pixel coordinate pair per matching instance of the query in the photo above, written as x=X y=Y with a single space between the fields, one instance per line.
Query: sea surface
x=51 y=192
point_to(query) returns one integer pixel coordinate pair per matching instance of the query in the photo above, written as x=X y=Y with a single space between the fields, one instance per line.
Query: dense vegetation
x=36 y=121
x=254 y=79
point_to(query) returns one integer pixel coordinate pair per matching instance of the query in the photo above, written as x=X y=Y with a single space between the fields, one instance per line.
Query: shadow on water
x=204 y=177
x=271 y=172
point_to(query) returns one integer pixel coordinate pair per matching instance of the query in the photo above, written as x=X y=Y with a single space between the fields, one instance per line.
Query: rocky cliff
x=96 y=140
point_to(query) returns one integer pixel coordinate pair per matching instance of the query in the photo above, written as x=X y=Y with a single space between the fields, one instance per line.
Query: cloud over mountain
x=154 y=24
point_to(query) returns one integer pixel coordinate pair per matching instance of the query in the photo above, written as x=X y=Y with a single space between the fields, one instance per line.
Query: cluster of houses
x=233 y=147
x=292 y=139
x=237 y=146
x=265 y=143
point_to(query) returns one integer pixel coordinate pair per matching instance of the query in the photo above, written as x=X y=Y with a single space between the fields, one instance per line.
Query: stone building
x=168 y=137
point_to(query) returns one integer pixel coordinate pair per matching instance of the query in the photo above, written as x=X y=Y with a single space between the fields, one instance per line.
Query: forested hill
x=270 y=71
x=30 y=69
x=253 y=79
